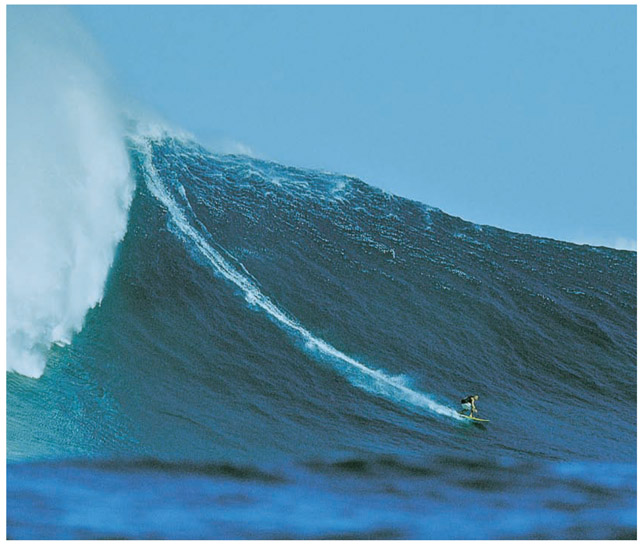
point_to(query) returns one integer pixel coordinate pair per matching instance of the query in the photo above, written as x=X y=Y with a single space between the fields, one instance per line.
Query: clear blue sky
x=520 y=117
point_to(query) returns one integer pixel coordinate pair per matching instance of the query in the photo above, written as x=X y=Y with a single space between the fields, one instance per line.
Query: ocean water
x=280 y=353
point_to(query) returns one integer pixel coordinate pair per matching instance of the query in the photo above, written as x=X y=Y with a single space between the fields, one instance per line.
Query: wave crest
x=68 y=182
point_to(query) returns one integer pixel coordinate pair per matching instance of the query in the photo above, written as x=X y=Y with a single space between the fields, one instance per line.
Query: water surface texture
x=280 y=353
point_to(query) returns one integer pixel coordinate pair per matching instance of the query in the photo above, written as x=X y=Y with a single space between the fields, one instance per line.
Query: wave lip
x=68 y=182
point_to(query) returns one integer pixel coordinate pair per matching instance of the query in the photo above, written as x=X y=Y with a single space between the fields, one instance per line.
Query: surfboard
x=475 y=418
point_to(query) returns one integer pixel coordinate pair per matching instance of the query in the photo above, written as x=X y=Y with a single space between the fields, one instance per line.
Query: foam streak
x=372 y=380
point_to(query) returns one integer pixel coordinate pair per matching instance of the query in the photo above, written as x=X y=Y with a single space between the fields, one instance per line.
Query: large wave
x=343 y=278
x=68 y=182
x=347 y=286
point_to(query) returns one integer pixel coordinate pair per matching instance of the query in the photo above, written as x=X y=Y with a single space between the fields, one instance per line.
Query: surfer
x=468 y=404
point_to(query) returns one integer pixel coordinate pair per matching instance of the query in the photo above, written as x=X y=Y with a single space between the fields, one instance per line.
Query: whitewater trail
x=394 y=388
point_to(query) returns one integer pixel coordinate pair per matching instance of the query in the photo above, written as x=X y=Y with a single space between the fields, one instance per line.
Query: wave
x=68 y=182
x=375 y=381
x=251 y=296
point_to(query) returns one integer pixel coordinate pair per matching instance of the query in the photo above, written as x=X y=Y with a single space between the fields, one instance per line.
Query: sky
x=521 y=117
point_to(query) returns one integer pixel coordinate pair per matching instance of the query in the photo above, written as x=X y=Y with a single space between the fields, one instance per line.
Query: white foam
x=68 y=183
x=372 y=380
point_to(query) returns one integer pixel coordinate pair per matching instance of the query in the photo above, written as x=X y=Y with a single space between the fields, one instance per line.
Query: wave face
x=261 y=314
x=68 y=186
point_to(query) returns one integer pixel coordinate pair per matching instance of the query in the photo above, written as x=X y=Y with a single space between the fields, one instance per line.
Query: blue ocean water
x=280 y=353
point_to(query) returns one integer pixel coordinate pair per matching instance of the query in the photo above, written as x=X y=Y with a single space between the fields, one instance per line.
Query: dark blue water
x=280 y=353
x=444 y=497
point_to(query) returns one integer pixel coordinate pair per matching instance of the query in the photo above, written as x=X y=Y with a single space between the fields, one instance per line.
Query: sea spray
x=68 y=182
